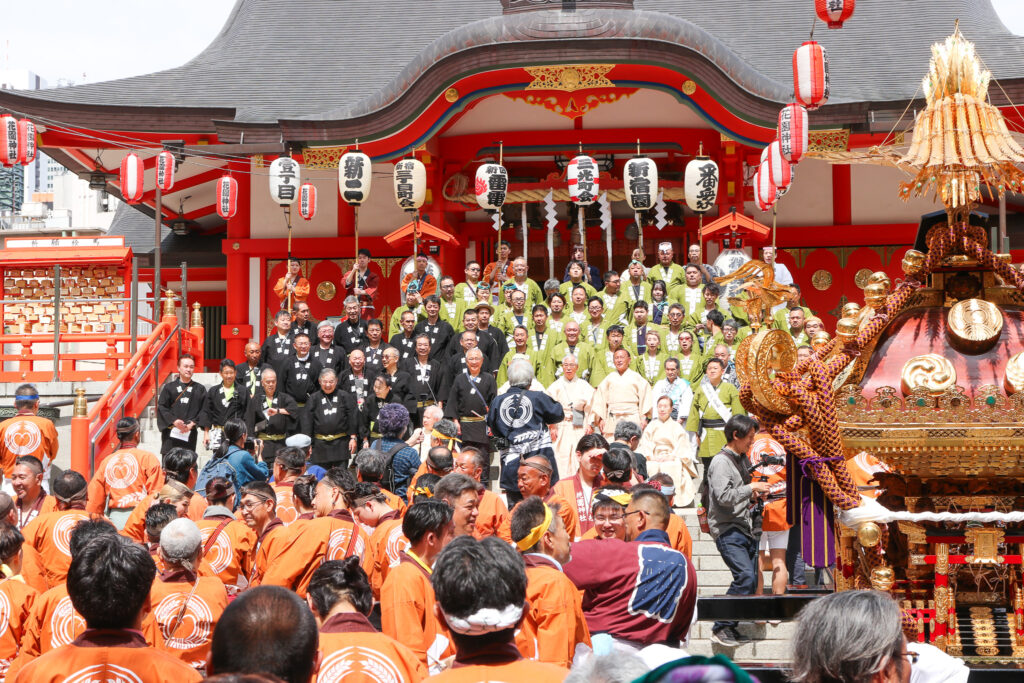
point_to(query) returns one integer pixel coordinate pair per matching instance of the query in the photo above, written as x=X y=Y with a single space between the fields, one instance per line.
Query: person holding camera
x=731 y=499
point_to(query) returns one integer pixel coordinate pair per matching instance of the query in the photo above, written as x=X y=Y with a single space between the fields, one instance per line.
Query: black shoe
x=726 y=636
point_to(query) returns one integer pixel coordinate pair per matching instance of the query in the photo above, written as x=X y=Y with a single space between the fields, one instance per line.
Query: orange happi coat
x=382 y=550
x=124 y=479
x=26 y=435
x=107 y=656
x=566 y=511
x=135 y=526
x=499 y=663
x=185 y=608
x=50 y=536
x=16 y=599
x=305 y=548
x=353 y=651
x=492 y=514
x=554 y=623
x=407 y=612
x=286 y=511
x=231 y=553
x=268 y=544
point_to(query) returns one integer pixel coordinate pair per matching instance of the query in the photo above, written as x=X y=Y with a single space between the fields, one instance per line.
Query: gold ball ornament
x=847 y=330
x=851 y=309
x=881 y=277
x=882 y=578
x=875 y=294
x=869 y=535
x=820 y=339
x=913 y=262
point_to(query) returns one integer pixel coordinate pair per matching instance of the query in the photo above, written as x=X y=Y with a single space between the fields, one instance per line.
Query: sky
x=85 y=42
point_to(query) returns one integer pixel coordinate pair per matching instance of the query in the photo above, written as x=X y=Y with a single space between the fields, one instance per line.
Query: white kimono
x=568 y=394
x=669 y=449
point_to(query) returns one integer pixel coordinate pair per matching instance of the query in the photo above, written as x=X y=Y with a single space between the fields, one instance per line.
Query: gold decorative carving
x=980 y=598
x=689 y=87
x=914 y=532
x=861 y=278
x=986 y=545
x=741 y=358
x=771 y=351
x=1014 y=378
x=326 y=291
x=930 y=372
x=323 y=158
x=975 y=323
x=941 y=604
x=942 y=558
x=258 y=162
x=571 y=107
x=570 y=78
x=882 y=578
x=822 y=280
x=830 y=140
x=451 y=95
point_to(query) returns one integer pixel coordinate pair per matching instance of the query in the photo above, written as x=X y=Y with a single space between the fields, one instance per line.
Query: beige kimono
x=625 y=396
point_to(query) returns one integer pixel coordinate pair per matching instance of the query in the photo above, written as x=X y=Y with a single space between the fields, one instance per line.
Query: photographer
x=731 y=498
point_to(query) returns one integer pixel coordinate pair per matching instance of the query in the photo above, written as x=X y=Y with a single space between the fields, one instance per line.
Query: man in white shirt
x=782 y=274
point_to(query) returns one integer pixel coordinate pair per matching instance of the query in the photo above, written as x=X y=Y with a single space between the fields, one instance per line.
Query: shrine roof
x=331 y=60
x=138 y=227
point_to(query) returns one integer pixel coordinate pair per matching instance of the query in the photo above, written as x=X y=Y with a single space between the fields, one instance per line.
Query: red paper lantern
x=792 y=132
x=779 y=170
x=810 y=75
x=307 y=201
x=227 y=196
x=26 y=141
x=765 y=192
x=165 y=171
x=834 y=12
x=132 y=185
x=8 y=140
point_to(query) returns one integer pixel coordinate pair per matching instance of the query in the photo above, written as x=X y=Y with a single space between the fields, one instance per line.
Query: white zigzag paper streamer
x=497 y=220
x=549 y=213
x=606 y=224
x=660 y=214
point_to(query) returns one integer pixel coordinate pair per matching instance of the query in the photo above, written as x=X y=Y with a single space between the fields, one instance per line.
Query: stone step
x=763 y=651
x=784 y=630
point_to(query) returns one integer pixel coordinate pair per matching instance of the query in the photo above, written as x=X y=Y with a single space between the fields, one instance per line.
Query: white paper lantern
x=491 y=186
x=165 y=171
x=26 y=141
x=700 y=184
x=410 y=184
x=780 y=171
x=8 y=140
x=131 y=178
x=284 y=180
x=307 y=201
x=792 y=132
x=354 y=177
x=584 y=180
x=640 y=180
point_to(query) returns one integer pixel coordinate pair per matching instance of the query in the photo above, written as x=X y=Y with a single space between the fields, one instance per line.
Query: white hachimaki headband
x=486 y=620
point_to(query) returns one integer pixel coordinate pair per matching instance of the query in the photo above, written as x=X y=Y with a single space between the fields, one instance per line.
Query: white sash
x=711 y=394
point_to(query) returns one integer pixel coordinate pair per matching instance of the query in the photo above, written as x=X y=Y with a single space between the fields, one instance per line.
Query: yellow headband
x=443 y=437
x=422 y=491
x=533 y=538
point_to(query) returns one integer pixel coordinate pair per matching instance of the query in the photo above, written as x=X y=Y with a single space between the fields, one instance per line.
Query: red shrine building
x=456 y=83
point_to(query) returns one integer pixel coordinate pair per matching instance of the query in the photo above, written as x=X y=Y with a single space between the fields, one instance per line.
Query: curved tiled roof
x=331 y=59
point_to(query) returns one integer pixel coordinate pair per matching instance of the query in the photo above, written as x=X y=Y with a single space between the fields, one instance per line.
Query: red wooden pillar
x=237 y=332
x=842 y=195
x=346 y=220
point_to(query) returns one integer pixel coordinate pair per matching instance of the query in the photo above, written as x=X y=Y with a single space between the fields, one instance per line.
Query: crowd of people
x=484 y=494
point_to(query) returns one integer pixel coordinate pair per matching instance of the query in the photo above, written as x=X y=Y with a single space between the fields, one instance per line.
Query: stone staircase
x=770 y=642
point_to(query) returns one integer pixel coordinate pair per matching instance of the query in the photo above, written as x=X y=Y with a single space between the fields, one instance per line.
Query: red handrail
x=94 y=436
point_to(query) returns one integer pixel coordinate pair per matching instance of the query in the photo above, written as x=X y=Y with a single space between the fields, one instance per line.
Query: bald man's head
x=534 y=476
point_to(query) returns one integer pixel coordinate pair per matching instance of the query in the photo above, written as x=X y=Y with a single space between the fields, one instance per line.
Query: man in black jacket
x=181 y=408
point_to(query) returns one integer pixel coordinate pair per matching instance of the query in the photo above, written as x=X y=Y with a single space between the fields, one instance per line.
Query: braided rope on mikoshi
x=808 y=386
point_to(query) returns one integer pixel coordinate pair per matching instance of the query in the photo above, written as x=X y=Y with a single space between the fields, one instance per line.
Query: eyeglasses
x=635 y=512
x=251 y=505
x=912 y=657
